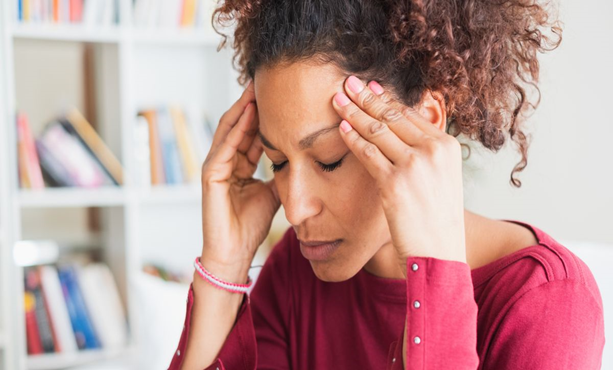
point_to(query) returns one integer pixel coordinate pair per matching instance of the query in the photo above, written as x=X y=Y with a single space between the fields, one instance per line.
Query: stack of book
x=169 y=148
x=86 y=12
x=68 y=152
x=173 y=13
x=72 y=307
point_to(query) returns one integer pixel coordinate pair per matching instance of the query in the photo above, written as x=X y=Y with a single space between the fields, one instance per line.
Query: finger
x=251 y=132
x=273 y=187
x=228 y=148
x=371 y=129
x=373 y=105
x=229 y=119
x=255 y=151
x=408 y=112
x=367 y=153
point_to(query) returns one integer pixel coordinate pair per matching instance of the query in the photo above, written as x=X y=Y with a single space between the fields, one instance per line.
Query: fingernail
x=355 y=84
x=375 y=87
x=345 y=126
x=341 y=99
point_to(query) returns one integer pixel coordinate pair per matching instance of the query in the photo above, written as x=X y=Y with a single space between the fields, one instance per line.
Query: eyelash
x=324 y=167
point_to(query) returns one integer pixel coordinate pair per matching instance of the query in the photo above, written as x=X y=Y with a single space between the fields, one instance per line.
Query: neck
x=385 y=262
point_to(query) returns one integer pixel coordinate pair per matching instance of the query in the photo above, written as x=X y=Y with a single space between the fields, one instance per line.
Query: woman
x=354 y=102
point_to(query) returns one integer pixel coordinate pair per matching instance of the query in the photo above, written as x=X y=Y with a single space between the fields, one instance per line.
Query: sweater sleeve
x=556 y=325
x=441 y=317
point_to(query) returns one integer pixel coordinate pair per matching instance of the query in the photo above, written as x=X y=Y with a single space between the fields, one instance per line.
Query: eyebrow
x=306 y=142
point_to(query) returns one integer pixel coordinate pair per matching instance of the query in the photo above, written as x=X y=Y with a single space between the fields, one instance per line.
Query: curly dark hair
x=480 y=54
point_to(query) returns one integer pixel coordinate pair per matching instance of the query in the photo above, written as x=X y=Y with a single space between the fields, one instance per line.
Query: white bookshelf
x=159 y=224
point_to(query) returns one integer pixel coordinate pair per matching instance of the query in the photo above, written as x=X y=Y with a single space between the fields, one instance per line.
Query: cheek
x=355 y=196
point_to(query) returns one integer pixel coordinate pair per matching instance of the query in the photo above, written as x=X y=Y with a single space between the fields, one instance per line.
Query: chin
x=333 y=273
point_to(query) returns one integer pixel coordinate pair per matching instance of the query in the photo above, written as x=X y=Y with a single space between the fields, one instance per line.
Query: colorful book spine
x=170 y=151
x=35 y=346
x=155 y=149
x=56 y=306
x=29 y=164
x=79 y=127
x=79 y=317
x=43 y=322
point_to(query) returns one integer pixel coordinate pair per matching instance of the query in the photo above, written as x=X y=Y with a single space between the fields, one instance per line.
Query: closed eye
x=325 y=167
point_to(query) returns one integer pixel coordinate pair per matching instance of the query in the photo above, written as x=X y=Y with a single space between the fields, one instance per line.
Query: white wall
x=567 y=187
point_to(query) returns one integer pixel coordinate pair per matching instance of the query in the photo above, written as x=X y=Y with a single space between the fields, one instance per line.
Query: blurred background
x=107 y=112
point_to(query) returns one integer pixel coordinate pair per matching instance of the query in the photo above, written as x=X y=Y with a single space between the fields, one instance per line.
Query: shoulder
x=548 y=269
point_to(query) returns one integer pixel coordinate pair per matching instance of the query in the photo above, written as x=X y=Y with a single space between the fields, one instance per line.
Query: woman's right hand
x=237 y=210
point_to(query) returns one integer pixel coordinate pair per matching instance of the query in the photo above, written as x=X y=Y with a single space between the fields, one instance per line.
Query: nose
x=301 y=198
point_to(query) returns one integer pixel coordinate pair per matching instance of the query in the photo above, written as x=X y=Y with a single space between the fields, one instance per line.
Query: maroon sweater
x=537 y=308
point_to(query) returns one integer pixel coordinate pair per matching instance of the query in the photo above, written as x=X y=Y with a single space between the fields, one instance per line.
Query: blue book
x=170 y=149
x=79 y=316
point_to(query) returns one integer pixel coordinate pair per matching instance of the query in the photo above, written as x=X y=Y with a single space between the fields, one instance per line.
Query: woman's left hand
x=417 y=168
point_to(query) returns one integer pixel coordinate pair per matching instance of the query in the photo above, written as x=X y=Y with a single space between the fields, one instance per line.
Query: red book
x=34 y=343
x=31 y=161
x=76 y=10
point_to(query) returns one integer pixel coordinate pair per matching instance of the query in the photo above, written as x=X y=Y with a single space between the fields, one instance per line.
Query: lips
x=319 y=250
x=315 y=243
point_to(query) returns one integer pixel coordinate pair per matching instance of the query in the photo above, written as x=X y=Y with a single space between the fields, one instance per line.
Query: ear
x=432 y=107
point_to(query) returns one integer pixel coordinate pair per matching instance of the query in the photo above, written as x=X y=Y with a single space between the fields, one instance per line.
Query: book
x=79 y=317
x=173 y=13
x=58 y=311
x=190 y=162
x=30 y=173
x=33 y=338
x=54 y=172
x=79 y=127
x=103 y=303
x=142 y=152
x=177 y=145
x=156 y=160
x=74 y=156
x=86 y=12
x=170 y=150
x=43 y=322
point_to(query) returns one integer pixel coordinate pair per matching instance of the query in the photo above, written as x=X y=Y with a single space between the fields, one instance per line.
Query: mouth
x=319 y=250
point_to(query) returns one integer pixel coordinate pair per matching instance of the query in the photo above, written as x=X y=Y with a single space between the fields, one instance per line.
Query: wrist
x=235 y=272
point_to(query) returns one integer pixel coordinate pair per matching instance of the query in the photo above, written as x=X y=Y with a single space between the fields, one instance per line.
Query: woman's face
x=298 y=121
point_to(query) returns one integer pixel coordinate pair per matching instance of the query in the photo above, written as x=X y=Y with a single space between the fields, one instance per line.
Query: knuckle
x=376 y=127
x=435 y=146
x=355 y=139
x=408 y=112
x=352 y=112
x=386 y=97
x=391 y=115
x=368 y=99
x=369 y=150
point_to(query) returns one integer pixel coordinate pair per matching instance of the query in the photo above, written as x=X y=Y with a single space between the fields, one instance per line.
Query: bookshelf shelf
x=170 y=194
x=182 y=37
x=63 y=32
x=58 y=361
x=72 y=197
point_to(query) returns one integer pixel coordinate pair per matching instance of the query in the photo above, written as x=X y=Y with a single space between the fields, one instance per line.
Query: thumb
x=273 y=187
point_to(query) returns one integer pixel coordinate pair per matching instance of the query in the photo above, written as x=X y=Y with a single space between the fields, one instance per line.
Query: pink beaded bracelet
x=230 y=287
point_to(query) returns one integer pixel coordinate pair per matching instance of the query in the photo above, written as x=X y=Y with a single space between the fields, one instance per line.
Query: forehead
x=296 y=99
